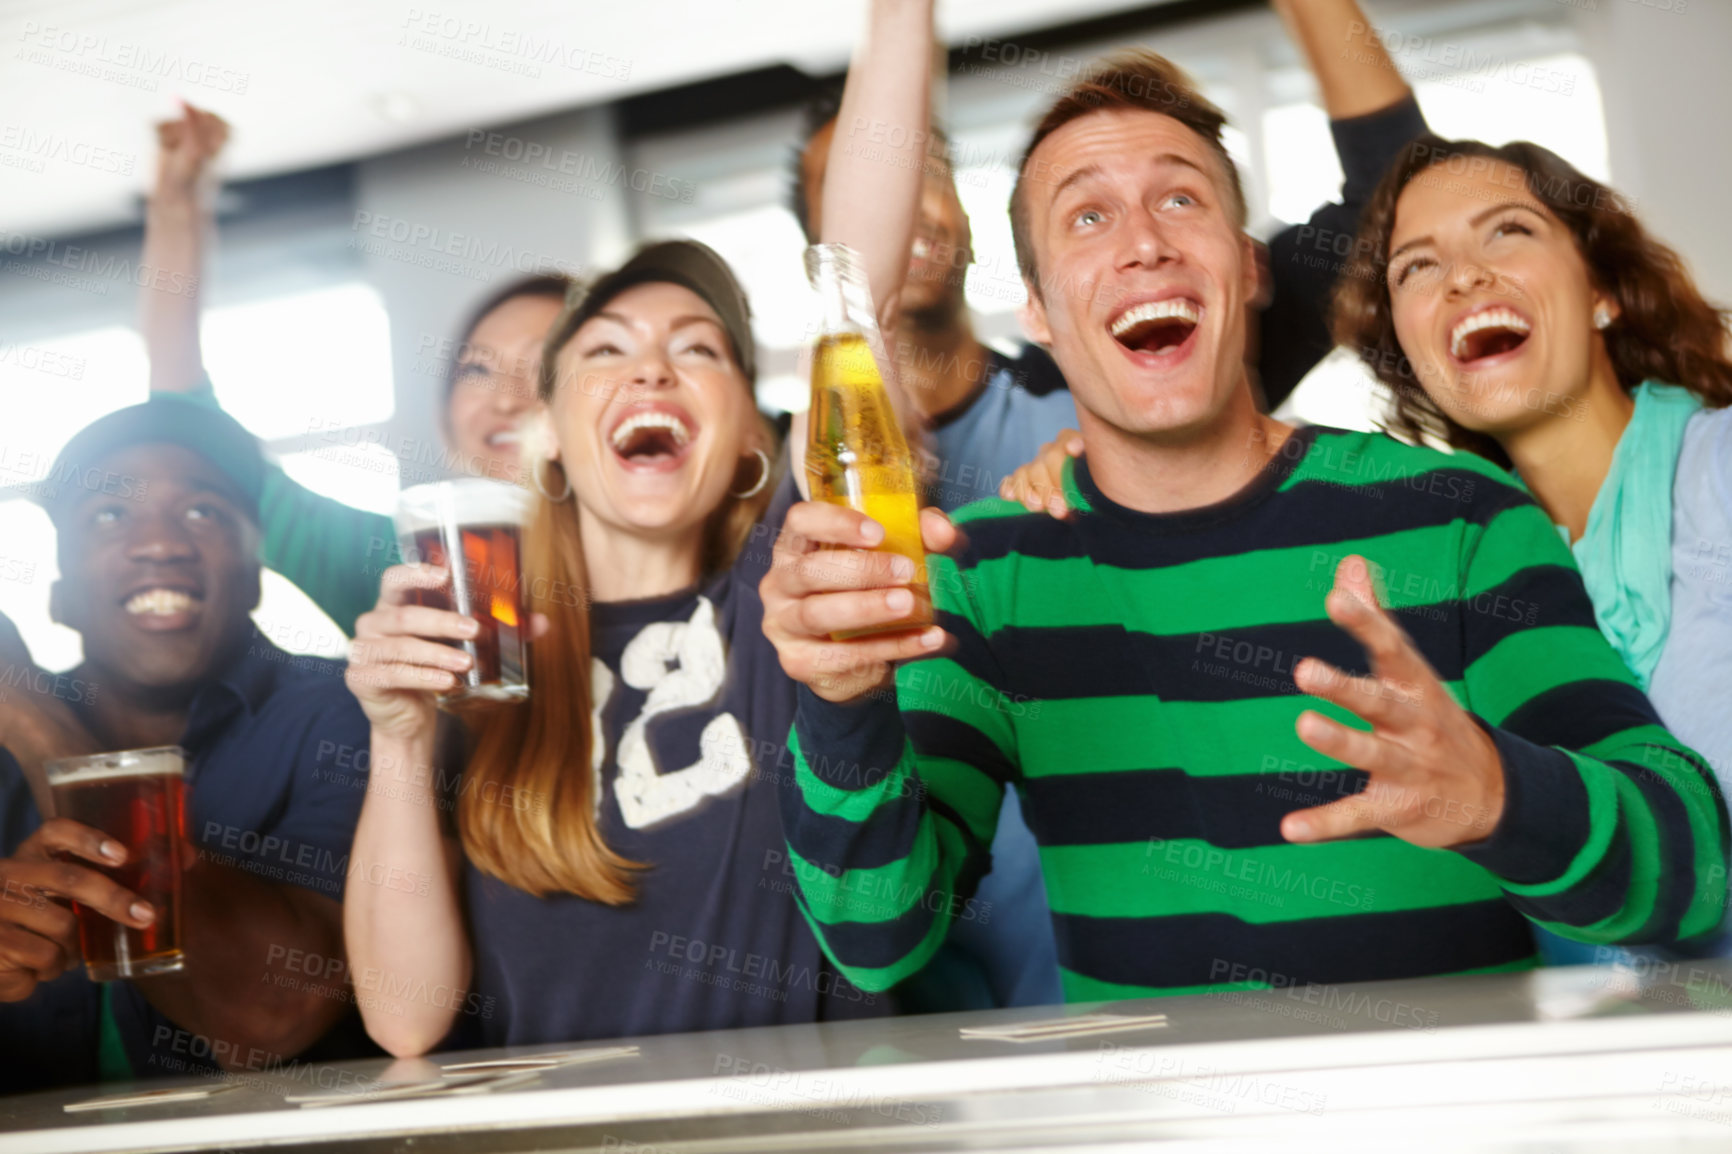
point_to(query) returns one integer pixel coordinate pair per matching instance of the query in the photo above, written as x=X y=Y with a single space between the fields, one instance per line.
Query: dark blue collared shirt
x=49 y=1039
x=18 y=816
x=277 y=772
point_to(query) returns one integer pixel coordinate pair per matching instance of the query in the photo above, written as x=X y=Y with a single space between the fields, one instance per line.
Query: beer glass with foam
x=138 y=798
x=473 y=528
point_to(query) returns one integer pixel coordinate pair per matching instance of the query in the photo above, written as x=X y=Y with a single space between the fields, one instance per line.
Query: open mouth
x=934 y=256
x=1488 y=333
x=652 y=439
x=504 y=439
x=159 y=607
x=1157 y=327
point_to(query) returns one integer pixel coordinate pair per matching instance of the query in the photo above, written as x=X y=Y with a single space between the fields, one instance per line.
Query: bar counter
x=1569 y=1059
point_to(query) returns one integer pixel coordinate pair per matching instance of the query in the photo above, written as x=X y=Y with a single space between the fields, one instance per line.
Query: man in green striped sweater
x=1283 y=706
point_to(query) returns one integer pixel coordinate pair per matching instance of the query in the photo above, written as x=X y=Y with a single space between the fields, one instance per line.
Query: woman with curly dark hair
x=1518 y=309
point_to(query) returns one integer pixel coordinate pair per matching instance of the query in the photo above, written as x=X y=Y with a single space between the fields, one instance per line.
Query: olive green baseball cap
x=688 y=263
x=167 y=418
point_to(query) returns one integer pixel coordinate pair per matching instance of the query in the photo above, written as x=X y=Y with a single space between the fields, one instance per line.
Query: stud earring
x=1602 y=317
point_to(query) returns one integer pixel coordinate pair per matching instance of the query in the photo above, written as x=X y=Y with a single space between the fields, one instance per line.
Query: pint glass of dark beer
x=473 y=528
x=137 y=797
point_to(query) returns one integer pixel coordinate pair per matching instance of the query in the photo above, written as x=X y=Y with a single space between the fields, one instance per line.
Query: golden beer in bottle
x=856 y=454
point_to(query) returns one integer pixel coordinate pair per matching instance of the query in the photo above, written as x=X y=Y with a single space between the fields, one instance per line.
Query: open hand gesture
x=1435 y=776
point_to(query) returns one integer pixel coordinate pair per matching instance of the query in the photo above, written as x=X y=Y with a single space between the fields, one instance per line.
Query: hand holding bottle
x=831 y=578
x=856 y=455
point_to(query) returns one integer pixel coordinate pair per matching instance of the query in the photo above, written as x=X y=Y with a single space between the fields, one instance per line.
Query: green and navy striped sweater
x=1131 y=675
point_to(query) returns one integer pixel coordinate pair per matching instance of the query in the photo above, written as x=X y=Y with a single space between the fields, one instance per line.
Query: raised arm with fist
x=174 y=230
x=185 y=148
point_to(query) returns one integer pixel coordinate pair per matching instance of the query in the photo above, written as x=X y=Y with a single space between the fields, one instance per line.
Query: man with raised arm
x=986 y=413
x=1471 y=755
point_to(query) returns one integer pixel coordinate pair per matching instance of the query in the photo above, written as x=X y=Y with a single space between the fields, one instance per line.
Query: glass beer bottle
x=855 y=452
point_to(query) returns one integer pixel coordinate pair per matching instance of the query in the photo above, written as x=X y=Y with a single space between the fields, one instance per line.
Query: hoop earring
x=541 y=486
x=763 y=478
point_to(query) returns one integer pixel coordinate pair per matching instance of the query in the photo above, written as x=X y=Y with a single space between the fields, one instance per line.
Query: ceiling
x=317 y=82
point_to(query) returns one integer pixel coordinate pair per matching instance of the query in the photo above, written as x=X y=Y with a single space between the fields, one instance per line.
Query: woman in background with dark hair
x=1518 y=309
x=491 y=374
x=332 y=551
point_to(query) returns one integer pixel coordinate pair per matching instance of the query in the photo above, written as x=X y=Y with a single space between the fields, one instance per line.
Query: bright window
x=362 y=475
x=763 y=246
x=50 y=389
x=27 y=570
x=282 y=366
x=1488 y=105
x=315 y=360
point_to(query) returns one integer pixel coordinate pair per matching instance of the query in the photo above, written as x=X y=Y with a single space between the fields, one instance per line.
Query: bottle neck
x=845 y=303
x=833 y=299
x=835 y=316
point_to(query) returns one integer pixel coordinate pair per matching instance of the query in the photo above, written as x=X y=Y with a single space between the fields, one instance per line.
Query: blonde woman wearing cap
x=618 y=864
x=612 y=869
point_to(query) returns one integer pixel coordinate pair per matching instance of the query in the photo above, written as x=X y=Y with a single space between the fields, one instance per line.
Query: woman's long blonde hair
x=527 y=811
